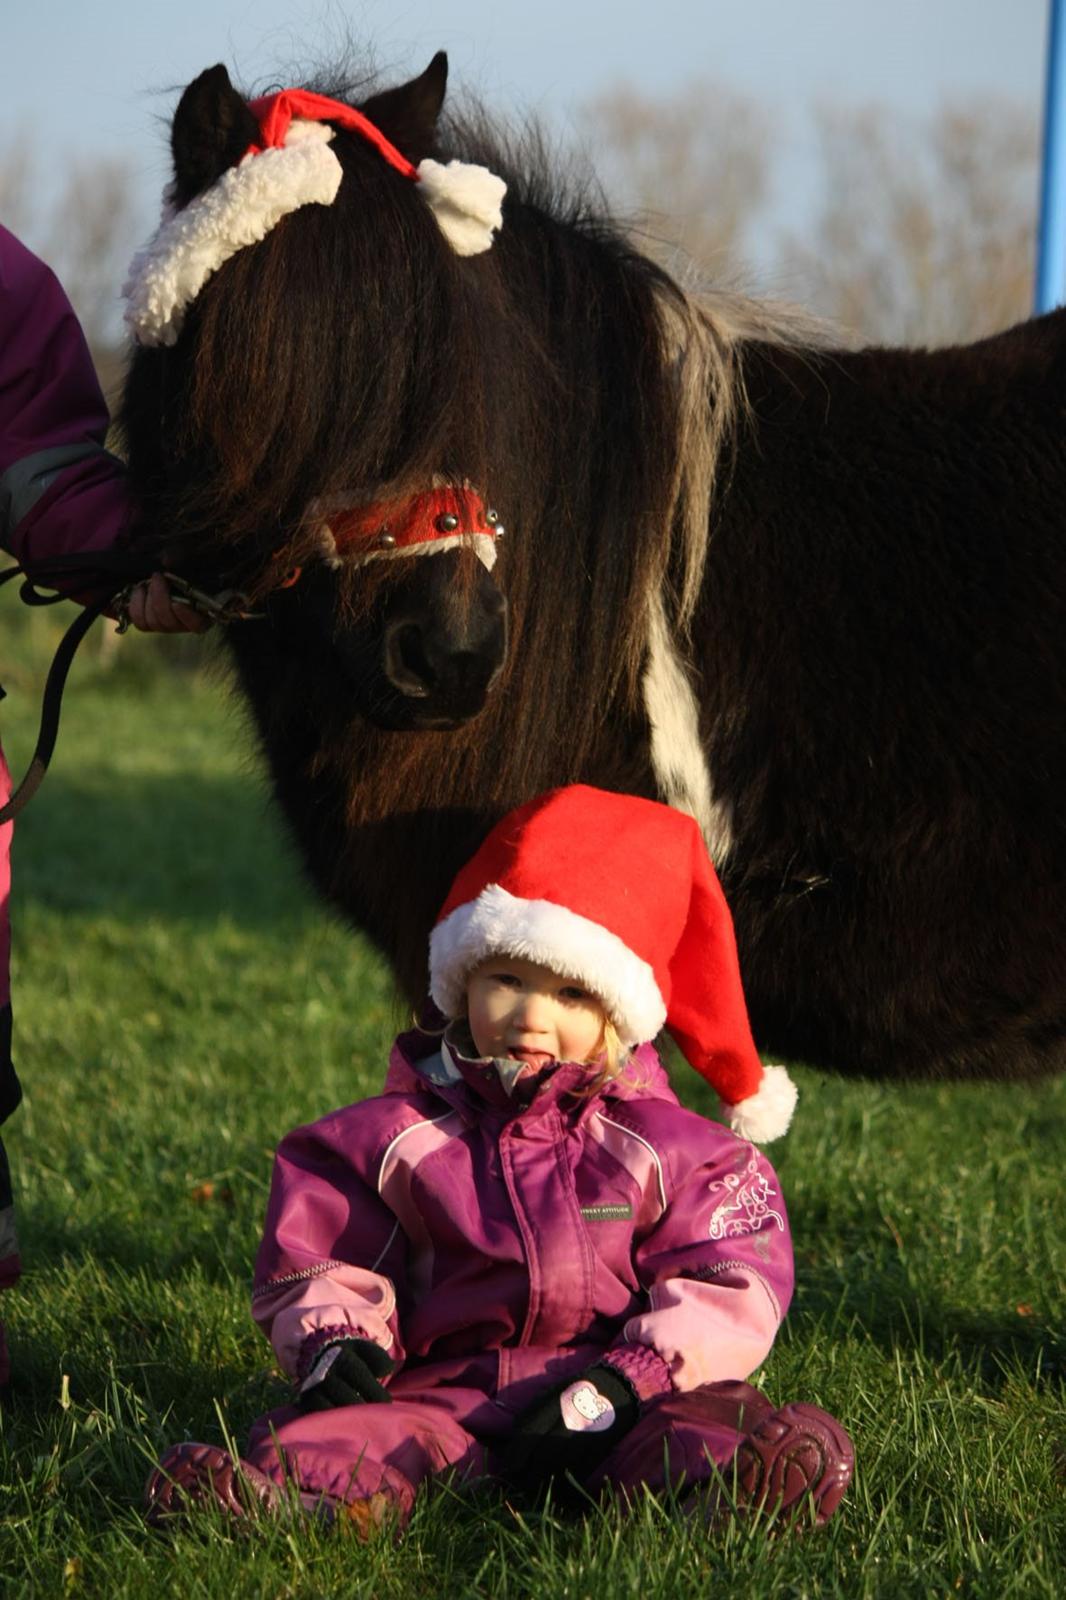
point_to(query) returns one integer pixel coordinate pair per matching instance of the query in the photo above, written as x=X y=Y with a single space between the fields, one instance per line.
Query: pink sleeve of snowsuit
x=60 y=491
x=329 y=1258
x=717 y=1270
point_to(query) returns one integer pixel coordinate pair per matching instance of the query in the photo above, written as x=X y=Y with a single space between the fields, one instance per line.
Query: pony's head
x=428 y=650
x=384 y=327
x=306 y=340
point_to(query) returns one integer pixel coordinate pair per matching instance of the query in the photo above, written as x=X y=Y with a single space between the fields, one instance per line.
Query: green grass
x=181 y=1001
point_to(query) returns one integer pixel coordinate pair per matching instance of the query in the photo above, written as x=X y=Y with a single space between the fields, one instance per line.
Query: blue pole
x=1051 y=239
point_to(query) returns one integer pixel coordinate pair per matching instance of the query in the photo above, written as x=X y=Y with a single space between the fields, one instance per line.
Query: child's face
x=520 y=1009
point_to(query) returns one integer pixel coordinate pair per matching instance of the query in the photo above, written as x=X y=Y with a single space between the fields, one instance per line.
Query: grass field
x=181 y=1001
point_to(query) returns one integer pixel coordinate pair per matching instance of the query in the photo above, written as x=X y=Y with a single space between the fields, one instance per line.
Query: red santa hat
x=291 y=166
x=618 y=893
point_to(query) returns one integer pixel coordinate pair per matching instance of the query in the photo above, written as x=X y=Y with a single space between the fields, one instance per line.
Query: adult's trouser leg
x=10 y=1090
x=10 y=1264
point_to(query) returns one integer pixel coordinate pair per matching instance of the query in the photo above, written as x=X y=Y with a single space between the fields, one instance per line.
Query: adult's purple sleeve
x=61 y=493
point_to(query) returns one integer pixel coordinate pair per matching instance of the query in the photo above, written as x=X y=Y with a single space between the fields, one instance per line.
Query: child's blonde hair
x=611 y=1055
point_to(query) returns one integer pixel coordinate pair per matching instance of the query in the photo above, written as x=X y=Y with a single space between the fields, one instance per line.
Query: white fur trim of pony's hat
x=467 y=202
x=766 y=1114
x=499 y=924
x=237 y=210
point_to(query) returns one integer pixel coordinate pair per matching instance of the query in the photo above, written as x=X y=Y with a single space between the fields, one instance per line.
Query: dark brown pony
x=812 y=595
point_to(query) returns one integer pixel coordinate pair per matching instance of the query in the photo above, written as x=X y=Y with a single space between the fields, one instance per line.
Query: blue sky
x=86 y=77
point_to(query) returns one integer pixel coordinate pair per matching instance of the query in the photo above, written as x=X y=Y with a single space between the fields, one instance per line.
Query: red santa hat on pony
x=291 y=166
x=618 y=893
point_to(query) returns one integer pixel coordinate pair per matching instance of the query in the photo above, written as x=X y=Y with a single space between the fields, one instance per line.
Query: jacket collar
x=433 y=1062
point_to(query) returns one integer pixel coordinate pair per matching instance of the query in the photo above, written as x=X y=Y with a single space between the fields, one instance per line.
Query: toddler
x=525 y=1258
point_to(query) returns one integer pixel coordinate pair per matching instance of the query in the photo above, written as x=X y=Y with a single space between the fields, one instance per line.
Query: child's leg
x=783 y=1458
x=353 y=1453
x=684 y=1437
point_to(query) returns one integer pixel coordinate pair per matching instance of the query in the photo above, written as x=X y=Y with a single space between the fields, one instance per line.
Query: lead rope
x=229 y=606
x=51 y=704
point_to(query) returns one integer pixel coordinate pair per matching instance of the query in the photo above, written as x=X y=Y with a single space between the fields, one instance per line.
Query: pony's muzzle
x=450 y=669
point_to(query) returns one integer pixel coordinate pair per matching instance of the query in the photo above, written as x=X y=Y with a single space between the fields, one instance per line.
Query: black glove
x=346 y=1373
x=571 y=1431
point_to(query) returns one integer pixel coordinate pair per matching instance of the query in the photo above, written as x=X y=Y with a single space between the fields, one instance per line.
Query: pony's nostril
x=406 y=663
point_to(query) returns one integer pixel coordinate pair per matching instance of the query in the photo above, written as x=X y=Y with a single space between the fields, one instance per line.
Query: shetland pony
x=812 y=595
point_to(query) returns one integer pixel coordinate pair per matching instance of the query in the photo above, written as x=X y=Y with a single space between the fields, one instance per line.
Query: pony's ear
x=212 y=129
x=408 y=115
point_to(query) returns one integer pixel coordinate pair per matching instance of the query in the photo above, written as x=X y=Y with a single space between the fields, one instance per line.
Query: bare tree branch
x=926 y=231
x=694 y=167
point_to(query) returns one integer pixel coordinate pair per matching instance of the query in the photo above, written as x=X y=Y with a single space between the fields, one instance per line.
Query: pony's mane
x=702 y=326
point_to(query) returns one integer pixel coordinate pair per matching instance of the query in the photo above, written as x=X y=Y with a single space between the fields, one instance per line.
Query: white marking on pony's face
x=678 y=759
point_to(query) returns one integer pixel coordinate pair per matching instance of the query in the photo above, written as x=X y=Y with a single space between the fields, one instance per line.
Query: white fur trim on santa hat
x=467 y=202
x=498 y=923
x=766 y=1114
x=238 y=210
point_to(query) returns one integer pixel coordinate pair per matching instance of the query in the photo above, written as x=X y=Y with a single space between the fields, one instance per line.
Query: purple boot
x=191 y=1476
x=792 y=1460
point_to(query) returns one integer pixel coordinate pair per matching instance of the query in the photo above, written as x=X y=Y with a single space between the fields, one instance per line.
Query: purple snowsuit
x=496 y=1249
x=60 y=494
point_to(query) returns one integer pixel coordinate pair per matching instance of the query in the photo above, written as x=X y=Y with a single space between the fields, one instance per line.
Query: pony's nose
x=423 y=662
x=407 y=666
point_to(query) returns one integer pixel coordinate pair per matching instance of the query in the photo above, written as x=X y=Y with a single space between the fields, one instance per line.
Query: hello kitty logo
x=585 y=1409
x=745 y=1203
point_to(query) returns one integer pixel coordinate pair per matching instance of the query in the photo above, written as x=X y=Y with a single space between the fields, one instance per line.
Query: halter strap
x=423 y=525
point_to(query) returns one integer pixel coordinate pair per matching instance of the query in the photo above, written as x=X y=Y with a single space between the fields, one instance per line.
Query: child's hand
x=346 y=1373
x=572 y=1430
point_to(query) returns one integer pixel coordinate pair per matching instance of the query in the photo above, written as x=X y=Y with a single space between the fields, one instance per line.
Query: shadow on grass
x=184 y=1235
x=49 y=1375
x=883 y=1305
x=142 y=846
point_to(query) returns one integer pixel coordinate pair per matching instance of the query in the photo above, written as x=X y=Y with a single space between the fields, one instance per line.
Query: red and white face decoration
x=441 y=519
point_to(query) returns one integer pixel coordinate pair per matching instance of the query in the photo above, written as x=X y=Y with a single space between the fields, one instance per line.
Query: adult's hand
x=153 y=609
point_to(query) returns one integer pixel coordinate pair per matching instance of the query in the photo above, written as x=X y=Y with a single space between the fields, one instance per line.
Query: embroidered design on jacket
x=745 y=1205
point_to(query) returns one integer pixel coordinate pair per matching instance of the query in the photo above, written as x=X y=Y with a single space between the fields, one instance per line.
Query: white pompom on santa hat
x=619 y=894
